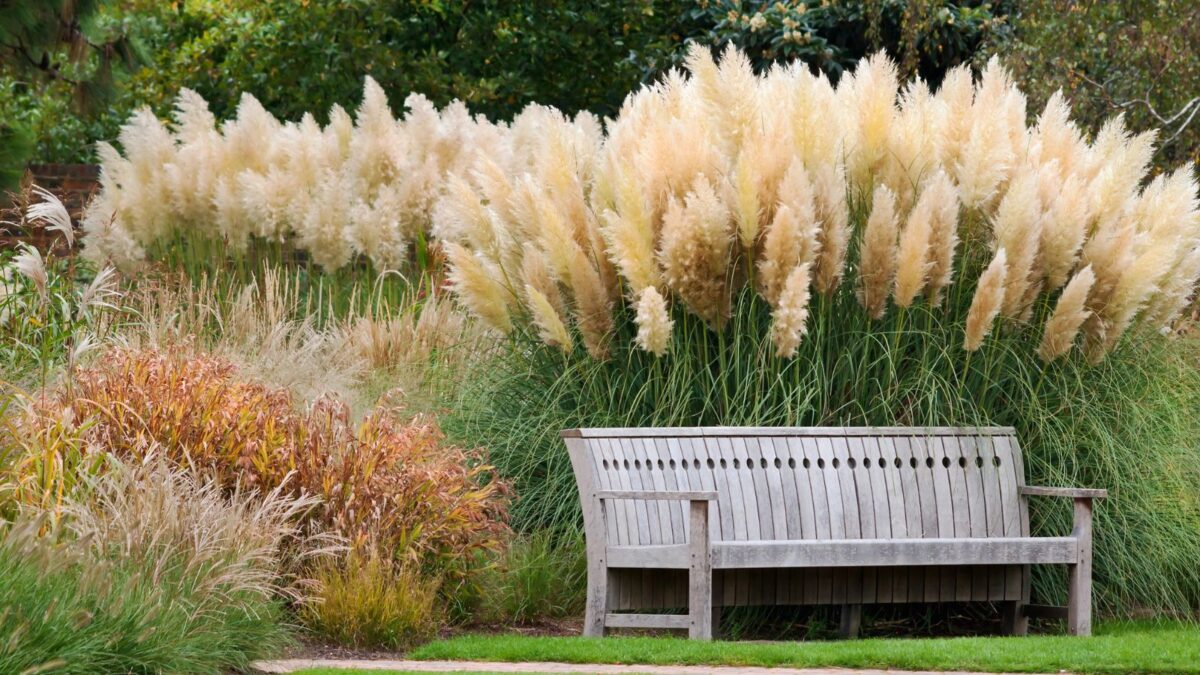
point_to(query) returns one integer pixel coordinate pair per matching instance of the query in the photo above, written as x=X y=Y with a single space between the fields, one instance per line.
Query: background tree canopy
x=296 y=56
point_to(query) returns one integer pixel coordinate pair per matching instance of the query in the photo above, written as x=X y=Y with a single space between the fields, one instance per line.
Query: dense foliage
x=926 y=38
x=1136 y=57
x=58 y=62
x=495 y=56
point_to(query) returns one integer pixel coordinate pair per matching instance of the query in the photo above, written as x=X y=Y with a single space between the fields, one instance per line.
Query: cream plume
x=877 y=263
x=478 y=289
x=653 y=322
x=833 y=213
x=1069 y=315
x=985 y=306
x=943 y=240
x=791 y=313
x=550 y=325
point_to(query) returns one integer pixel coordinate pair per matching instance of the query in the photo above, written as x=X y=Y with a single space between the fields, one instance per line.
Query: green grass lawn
x=1116 y=648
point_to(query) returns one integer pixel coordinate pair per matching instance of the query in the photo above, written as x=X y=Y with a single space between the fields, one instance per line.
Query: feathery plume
x=550 y=325
x=877 y=263
x=1064 y=227
x=478 y=289
x=30 y=265
x=792 y=237
x=51 y=214
x=1016 y=226
x=1069 y=315
x=985 y=306
x=653 y=323
x=790 y=315
x=593 y=308
x=915 y=259
x=829 y=191
x=536 y=274
x=695 y=254
x=943 y=239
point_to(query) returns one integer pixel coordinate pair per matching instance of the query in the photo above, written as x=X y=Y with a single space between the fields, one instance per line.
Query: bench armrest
x=661 y=495
x=1073 y=493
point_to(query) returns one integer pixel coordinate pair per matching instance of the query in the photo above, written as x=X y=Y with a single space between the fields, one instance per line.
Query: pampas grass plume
x=877 y=265
x=985 y=306
x=1069 y=315
x=790 y=315
x=653 y=322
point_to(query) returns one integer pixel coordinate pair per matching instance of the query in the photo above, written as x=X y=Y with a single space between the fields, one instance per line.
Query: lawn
x=1116 y=648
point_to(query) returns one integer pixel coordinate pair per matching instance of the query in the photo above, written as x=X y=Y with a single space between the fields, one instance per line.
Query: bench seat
x=729 y=555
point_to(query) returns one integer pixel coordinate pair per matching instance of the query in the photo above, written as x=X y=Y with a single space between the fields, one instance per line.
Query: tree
x=54 y=43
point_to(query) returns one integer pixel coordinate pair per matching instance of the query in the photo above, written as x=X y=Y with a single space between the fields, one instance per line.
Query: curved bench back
x=805 y=483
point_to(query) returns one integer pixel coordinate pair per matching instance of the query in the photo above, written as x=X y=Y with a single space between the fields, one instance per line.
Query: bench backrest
x=779 y=483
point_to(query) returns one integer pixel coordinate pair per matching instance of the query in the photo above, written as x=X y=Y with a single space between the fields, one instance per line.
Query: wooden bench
x=705 y=518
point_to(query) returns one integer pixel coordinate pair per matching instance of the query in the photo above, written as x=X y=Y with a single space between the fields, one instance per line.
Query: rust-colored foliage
x=387 y=484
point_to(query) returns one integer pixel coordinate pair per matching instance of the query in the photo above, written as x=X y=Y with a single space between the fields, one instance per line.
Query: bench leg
x=851 y=621
x=1079 y=577
x=597 y=600
x=700 y=607
x=1012 y=619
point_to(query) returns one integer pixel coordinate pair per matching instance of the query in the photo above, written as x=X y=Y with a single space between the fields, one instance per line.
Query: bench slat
x=895 y=552
x=647 y=620
x=856 y=553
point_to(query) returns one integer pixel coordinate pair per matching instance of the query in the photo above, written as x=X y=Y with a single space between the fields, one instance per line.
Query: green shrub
x=1127 y=424
x=538 y=577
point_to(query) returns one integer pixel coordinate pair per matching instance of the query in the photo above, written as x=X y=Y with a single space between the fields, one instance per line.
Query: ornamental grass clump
x=719 y=179
x=777 y=251
x=150 y=570
x=361 y=186
x=386 y=485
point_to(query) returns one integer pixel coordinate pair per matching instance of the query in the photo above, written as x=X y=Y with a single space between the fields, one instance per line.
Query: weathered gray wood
x=646 y=620
x=659 y=556
x=595 y=531
x=654 y=475
x=893 y=552
x=1079 y=575
x=793 y=515
x=851 y=620
x=650 y=495
x=826 y=494
x=700 y=604
x=816 y=516
x=1008 y=449
x=1074 y=493
x=773 y=477
x=676 y=530
x=805 y=494
x=837 y=458
x=1046 y=612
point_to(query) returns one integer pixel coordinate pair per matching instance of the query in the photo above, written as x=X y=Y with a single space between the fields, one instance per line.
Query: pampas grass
x=706 y=183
